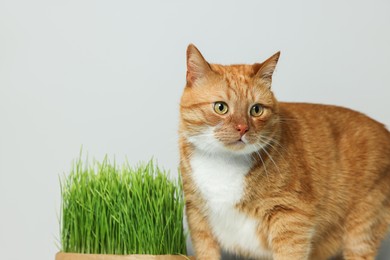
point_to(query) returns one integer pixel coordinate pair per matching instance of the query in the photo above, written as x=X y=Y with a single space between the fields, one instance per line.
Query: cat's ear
x=197 y=66
x=267 y=68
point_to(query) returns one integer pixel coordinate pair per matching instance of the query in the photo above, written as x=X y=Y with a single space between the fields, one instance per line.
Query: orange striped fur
x=319 y=182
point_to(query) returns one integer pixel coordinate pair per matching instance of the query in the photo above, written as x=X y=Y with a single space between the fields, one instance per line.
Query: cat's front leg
x=203 y=241
x=291 y=245
x=290 y=234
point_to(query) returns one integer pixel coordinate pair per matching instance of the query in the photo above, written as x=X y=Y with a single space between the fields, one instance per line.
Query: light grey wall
x=108 y=75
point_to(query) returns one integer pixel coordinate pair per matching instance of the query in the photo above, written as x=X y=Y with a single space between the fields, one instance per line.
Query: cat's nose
x=242 y=128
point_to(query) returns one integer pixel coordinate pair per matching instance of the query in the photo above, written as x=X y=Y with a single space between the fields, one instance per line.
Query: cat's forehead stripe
x=229 y=85
x=195 y=105
x=237 y=78
x=239 y=87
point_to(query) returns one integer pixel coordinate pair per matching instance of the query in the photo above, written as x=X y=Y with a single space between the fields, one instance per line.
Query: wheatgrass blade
x=111 y=209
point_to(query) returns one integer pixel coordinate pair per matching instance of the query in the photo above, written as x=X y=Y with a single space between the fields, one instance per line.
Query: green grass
x=107 y=209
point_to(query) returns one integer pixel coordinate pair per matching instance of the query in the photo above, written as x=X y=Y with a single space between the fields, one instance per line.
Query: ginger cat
x=271 y=180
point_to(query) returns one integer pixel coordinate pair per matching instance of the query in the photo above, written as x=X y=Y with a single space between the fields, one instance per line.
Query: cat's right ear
x=197 y=67
x=267 y=68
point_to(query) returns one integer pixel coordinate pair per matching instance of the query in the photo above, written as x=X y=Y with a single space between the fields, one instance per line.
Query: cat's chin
x=239 y=147
x=236 y=145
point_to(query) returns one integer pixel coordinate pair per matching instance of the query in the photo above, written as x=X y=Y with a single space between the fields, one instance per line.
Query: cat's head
x=228 y=109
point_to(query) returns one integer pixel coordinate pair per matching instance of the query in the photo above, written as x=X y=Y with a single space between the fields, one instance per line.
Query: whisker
x=276 y=150
x=270 y=157
x=262 y=162
x=269 y=141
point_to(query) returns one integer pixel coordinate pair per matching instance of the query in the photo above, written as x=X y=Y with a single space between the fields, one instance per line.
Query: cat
x=273 y=180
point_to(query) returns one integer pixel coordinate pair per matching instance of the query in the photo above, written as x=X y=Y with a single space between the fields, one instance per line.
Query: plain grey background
x=108 y=75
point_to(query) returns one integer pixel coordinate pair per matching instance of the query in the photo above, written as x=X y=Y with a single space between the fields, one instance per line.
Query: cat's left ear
x=267 y=68
x=197 y=67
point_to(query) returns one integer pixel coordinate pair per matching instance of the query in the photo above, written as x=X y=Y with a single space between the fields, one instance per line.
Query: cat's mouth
x=240 y=143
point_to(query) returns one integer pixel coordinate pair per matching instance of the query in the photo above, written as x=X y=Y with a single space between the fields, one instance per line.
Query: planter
x=75 y=256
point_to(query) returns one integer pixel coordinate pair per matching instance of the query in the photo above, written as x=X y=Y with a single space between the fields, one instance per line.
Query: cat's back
x=345 y=138
x=340 y=121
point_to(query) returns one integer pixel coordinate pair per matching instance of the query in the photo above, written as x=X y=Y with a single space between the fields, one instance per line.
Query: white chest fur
x=221 y=183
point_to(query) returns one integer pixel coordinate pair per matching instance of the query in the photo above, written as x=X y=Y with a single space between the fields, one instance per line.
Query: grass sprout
x=107 y=209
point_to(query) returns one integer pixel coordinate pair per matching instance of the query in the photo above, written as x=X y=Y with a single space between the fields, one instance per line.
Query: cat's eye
x=256 y=110
x=221 y=108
